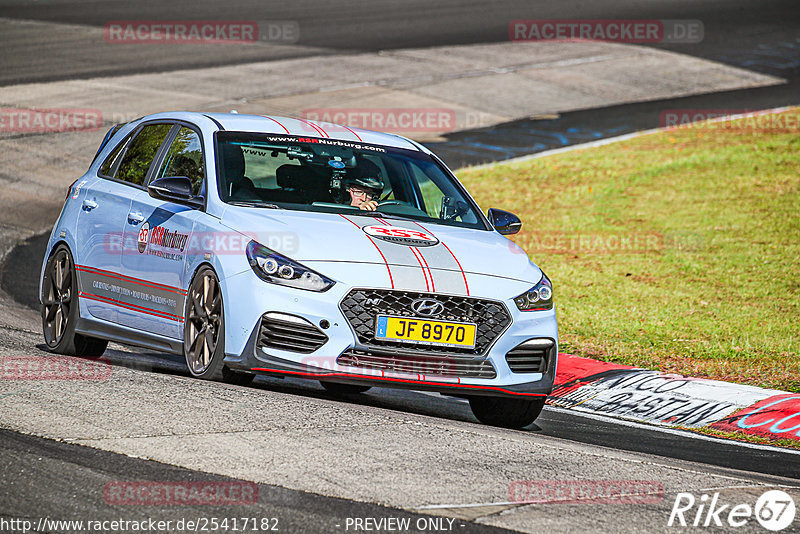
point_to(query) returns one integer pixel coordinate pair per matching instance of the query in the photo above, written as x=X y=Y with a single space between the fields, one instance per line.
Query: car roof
x=292 y=126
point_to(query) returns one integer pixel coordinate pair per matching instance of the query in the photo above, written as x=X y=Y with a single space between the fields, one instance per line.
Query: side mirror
x=174 y=189
x=504 y=222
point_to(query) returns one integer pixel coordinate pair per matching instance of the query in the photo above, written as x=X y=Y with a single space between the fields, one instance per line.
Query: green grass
x=712 y=287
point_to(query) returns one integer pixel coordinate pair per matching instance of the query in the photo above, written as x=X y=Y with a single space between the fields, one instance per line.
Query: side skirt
x=127 y=336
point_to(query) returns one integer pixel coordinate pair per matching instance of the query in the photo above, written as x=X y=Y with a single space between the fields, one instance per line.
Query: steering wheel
x=391 y=203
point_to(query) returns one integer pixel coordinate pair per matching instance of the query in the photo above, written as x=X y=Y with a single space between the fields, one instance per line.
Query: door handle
x=135 y=218
x=89 y=205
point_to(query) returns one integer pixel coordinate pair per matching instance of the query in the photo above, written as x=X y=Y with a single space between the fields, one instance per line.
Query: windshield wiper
x=382 y=215
x=255 y=204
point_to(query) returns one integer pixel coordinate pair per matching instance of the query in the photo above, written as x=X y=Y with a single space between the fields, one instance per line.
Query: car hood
x=325 y=237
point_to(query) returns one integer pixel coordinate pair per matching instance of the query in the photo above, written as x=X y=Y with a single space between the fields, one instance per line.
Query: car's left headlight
x=537 y=298
x=278 y=269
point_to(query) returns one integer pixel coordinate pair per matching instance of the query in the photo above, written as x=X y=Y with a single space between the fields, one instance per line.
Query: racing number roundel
x=401 y=236
x=142 y=238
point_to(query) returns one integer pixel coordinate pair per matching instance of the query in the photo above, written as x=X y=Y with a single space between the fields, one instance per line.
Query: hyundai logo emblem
x=427 y=307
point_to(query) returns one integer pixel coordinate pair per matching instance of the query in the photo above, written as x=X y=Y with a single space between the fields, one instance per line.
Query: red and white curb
x=636 y=394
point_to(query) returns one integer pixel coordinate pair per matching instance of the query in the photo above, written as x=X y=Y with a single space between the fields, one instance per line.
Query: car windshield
x=327 y=175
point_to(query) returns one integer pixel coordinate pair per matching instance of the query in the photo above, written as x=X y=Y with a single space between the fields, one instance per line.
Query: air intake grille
x=362 y=306
x=287 y=332
x=531 y=356
x=426 y=365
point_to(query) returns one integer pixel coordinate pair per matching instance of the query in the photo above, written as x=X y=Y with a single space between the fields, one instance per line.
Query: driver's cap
x=371 y=183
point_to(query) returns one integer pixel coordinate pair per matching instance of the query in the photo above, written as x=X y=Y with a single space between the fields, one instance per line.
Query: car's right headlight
x=537 y=298
x=278 y=269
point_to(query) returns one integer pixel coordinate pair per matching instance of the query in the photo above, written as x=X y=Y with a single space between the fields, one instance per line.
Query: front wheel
x=204 y=327
x=506 y=412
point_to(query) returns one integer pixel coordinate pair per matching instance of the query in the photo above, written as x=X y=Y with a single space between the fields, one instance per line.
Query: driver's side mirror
x=174 y=189
x=504 y=222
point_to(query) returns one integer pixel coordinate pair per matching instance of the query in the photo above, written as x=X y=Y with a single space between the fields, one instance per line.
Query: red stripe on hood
x=463 y=274
x=388 y=269
x=414 y=252
x=421 y=255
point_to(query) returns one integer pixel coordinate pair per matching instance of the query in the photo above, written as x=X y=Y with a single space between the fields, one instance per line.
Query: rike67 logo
x=774 y=510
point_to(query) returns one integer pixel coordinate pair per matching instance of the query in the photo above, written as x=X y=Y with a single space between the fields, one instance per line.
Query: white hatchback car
x=254 y=244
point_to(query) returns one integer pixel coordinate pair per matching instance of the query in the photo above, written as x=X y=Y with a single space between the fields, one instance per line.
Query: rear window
x=140 y=153
x=110 y=164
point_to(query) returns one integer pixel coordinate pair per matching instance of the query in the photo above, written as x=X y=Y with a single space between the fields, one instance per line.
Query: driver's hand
x=369 y=205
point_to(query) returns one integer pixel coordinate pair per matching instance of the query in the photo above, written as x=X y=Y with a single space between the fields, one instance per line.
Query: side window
x=108 y=166
x=137 y=159
x=185 y=158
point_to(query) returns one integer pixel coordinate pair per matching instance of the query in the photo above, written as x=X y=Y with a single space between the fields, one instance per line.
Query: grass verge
x=677 y=251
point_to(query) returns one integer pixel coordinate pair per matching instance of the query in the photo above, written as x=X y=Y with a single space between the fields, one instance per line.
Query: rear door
x=157 y=245
x=105 y=214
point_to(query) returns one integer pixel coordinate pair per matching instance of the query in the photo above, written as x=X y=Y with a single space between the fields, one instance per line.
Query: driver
x=365 y=190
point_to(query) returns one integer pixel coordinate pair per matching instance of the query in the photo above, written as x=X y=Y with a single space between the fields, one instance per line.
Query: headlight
x=278 y=269
x=537 y=298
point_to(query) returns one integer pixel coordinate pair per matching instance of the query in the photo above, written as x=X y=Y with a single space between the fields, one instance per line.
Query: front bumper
x=330 y=361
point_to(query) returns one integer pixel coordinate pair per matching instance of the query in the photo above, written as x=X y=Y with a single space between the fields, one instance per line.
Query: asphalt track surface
x=56 y=480
x=760 y=35
x=733 y=28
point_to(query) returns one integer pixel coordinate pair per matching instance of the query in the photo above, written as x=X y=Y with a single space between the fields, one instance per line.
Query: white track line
x=589 y=501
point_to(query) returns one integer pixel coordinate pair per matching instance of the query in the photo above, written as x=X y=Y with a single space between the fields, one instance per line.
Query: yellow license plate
x=414 y=330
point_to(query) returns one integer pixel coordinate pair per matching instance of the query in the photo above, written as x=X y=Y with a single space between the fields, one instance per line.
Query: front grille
x=288 y=332
x=362 y=306
x=450 y=366
x=530 y=356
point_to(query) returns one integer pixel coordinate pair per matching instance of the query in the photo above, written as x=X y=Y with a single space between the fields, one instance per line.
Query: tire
x=344 y=389
x=506 y=412
x=204 y=327
x=61 y=308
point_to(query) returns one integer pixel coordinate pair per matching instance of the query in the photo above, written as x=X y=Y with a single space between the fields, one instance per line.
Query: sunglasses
x=361 y=192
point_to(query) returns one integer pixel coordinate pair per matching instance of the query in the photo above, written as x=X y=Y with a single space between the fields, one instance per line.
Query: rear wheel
x=506 y=412
x=60 y=309
x=344 y=389
x=204 y=327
